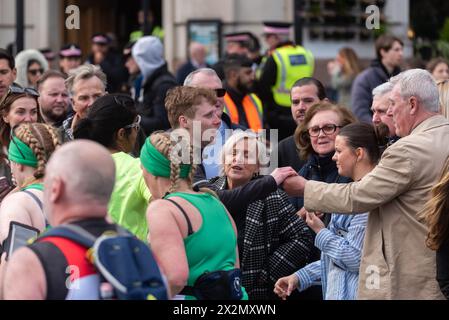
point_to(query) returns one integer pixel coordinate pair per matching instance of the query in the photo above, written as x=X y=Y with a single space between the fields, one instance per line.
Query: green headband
x=19 y=152
x=158 y=165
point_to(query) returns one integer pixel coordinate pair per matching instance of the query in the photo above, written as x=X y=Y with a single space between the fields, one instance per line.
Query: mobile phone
x=18 y=236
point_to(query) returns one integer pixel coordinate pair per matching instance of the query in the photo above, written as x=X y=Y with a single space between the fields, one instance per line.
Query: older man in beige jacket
x=396 y=264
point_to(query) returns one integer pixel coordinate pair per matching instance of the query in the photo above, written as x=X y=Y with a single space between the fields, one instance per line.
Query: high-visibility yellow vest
x=157 y=32
x=252 y=107
x=293 y=63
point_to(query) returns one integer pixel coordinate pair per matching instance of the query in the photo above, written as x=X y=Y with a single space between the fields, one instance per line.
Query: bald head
x=86 y=170
x=198 y=52
x=203 y=78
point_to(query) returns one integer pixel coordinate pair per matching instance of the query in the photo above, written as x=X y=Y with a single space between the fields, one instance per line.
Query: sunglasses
x=135 y=124
x=18 y=90
x=220 y=92
x=36 y=71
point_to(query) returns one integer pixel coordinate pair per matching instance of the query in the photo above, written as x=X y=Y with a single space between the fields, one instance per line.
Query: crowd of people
x=352 y=203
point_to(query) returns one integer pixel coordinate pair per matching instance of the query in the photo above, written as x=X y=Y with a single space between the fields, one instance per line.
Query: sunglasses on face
x=36 y=71
x=220 y=92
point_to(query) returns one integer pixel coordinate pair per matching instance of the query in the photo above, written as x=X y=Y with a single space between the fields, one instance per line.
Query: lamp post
x=20 y=25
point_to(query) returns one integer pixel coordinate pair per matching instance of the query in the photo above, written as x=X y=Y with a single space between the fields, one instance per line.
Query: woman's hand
x=314 y=222
x=284 y=286
x=280 y=174
x=303 y=212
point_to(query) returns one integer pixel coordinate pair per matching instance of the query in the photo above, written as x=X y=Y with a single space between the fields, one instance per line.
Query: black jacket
x=364 y=83
x=288 y=155
x=443 y=268
x=319 y=169
x=152 y=110
x=237 y=199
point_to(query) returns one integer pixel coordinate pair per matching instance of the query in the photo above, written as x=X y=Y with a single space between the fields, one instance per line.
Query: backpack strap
x=189 y=224
x=74 y=233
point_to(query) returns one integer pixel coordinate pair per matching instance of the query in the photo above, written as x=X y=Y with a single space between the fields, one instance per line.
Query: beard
x=54 y=117
x=243 y=88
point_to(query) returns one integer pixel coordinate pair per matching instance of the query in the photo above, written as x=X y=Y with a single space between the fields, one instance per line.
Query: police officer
x=284 y=64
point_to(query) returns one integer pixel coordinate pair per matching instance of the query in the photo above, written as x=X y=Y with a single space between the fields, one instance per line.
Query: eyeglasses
x=220 y=92
x=135 y=124
x=36 y=71
x=328 y=129
x=12 y=135
x=15 y=89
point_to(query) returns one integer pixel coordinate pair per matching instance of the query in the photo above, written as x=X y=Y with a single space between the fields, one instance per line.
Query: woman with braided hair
x=191 y=233
x=29 y=150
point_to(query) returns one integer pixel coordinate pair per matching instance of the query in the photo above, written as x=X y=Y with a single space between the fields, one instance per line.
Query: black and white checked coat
x=288 y=242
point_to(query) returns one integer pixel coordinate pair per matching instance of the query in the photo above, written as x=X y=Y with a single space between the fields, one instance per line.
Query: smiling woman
x=315 y=139
x=19 y=105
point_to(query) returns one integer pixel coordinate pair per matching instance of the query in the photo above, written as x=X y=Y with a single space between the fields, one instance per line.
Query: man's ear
x=57 y=189
x=183 y=122
x=413 y=105
x=14 y=72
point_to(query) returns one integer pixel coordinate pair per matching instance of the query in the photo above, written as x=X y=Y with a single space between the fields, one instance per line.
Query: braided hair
x=162 y=142
x=43 y=141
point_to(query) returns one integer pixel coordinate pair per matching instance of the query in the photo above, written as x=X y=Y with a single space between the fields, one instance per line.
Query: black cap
x=48 y=53
x=70 y=50
x=240 y=37
x=276 y=27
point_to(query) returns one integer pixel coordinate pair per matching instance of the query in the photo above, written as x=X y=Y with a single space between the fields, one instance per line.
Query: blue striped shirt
x=341 y=249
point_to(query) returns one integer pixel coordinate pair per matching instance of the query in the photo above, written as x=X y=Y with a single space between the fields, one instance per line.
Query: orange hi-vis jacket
x=252 y=106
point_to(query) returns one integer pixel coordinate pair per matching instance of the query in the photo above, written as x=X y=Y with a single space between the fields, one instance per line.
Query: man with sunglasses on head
x=8 y=72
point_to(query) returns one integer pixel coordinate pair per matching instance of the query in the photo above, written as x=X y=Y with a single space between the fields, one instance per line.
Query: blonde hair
x=43 y=141
x=443 y=89
x=436 y=211
x=351 y=64
x=228 y=147
x=162 y=142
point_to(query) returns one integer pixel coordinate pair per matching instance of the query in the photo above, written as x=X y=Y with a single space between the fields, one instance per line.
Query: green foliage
x=444 y=32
